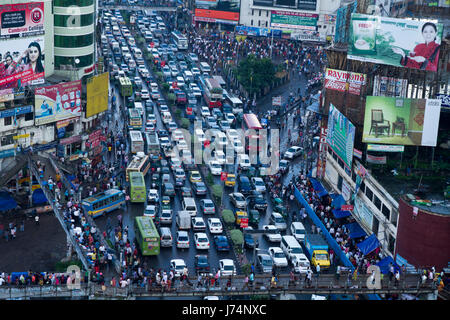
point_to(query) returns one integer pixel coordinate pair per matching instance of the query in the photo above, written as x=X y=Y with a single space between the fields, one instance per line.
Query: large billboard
x=21 y=62
x=397 y=42
x=217 y=10
x=389 y=87
x=401 y=121
x=57 y=102
x=294 y=20
x=21 y=20
x=344 y=81
x=341 y=135
x=97 y=94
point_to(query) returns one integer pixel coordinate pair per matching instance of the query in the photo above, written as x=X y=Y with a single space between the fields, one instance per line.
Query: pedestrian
x=36 y=219
x=22 y=226
x=397 y=278
x=317 y=270
x=245 y=282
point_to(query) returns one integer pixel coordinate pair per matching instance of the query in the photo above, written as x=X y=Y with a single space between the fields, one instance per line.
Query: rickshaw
x=281 y=210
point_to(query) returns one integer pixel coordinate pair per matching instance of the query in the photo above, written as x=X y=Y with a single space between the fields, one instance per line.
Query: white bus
x=136 y=141
x=179 y=40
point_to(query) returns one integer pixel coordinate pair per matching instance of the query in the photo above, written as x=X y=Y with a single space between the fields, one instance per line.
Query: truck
x=183 y=220
x=317 y=251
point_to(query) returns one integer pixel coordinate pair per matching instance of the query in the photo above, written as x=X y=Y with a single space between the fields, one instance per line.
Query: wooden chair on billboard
x=378 y=123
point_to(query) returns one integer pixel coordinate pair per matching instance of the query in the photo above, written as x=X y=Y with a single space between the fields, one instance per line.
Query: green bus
x=126 y=87
x=147 y=236
x=137 y=186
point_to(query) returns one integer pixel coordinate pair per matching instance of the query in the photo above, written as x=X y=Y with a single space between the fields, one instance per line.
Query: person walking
x=36 y=220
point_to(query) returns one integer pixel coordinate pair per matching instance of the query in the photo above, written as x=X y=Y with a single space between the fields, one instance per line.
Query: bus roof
x=252 y=122
x=101 y=195
x=134 y=113
x=235 y=100
x=136 y=162
x=136 y=178
x=136 y=135
x=147 y=227
x=219 y=80
x=124 y=81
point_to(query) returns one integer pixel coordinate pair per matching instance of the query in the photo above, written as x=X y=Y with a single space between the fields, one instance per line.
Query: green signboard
x=293 y=20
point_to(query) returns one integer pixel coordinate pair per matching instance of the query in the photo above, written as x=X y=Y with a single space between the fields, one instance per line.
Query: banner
x=363 y=213
x=376 y=160
x=346 y=191
x=344 y=81
x=445 y=101
x=252 y=31
x=390 y=87
x=57 y=102
x=397 y=42
x=21 y=20
x=307 y=35
x=97 y=88
x=341 y=135
x=385 y=148
x=357 y=153
x=217 y=9
x=21 y=62
x=294 y=20
x=401 y=121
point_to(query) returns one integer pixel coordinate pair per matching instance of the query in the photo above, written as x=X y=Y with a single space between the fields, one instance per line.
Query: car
x=237 y=146
x=244 y=161
x=278 y=257
x=196 y=92
x=164 y=142
x=254 y=217
x=201 y=263
x=205 y=112
x=215 y=167
x=174 y=71
x=172 y=126
x=221 y=243
x=264 y=263
x=207 y=206
x=179 y=183
x=163 y=108
x=249 y=241
x=155 y=95
x=201 y=241
x=244 y=185
x=196 y=72
x=283 y=166
x=169 y=189
x=231 y=180
x=274 y=235
x=150 y=211
x=182 y=239
x=186 y=192
x=198 y=224
x=163 y=133
x=199 y=188
x=179 y=174
x=227 y=267
x=238 y=200
x=224 y=125
x=257 y=201
x=179 y=56
x=293 y=152
x=192 y=57
x=230 y=118
x=165 y=216
x=278 y=221
x=175 y=163
x=215 y=225
x=195 y=177
x=219 y=156
x=177 y=266
x=153 y=196
x=151 y=118
x=150 y=127
x=145 y=94
x=258 y=184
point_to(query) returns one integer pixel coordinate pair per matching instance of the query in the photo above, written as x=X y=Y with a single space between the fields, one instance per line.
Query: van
x=166 y=117
x=183 y=220
x=290 y=246
x=188 y=76
x=104 y=39
x=298 y=230
x=125 y=50
x=189 y=206
x=137 y=53
x=204 y=67
x=166 y=237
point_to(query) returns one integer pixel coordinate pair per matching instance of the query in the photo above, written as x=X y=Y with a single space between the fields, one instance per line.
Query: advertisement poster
x=445 y=101
x=401 y=121
x=344 y=81
x=57 y=102
x=97 y=88
x=21 y=62
x=217 y=9
x=397 y=42
x=294 y=20
x=346 y=191
x=385 y=148
x=376 y=160
x=341 y=135
x=21 y=20
x=389 y=87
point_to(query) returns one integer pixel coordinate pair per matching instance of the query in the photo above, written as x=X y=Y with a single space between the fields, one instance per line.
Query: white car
x=244 y=161
x=205 y=112
x=151 y=118
x=182 y=240
x=238 y=200
x=153 y=196
x=215 y=167
x=196 y=71
x=258 y=184
x=278 y=221
x=227 y=267
x=177 y=135
x=232 y=134
x=201 y=241
x=272 y=237
x=164 y=141
x=293 y=152
x=219 y=156
x=298 y=230
x=237 y=146
x=177 y=265
x=278 y=257
x=172 y=126
x=198 y=223
x=150 y=211
x=214 y=225
x=300 y=262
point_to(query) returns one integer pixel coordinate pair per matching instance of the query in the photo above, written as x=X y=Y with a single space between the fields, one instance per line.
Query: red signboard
x=223 y=176
x=215 y=14
x=347 y=207
x=244 y=223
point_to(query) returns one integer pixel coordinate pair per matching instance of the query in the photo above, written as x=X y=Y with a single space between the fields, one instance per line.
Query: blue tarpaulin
x=355 y=230
x=368 y=245
x=318 y=187
x=338 y=201
x=39 y=197
x=314 y=107
x=338 y=214
x=384 y=265
x=6 y=201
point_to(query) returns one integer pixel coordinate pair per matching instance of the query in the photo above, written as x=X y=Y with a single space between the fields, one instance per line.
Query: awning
x=314 y=107
x=39 y=197
x=338 y=214
x=355 y=230
x=368 y=245
x=318 y=187
x=384 y=265
x=6 y=201
x=338 y=202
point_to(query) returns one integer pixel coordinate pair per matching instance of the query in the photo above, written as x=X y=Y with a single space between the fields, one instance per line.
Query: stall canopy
x=355 y=230
x=338 y=214
x=314 y=107
x=338 y=201
x=368 y=245
x=6 y=201
x=318 y=187
x=384 y=265
x=39 y=197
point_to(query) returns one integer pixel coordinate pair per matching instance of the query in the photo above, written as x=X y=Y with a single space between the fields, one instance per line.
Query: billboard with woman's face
x=397 y=42
x=21 y=62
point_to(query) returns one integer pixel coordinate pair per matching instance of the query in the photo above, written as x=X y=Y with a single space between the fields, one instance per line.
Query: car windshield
x=215 y=224
x=183 y=238
x=239 y=198
x=279 y=255
x=266 y=262
x=228 y=268
x=291 y=150
x=321 y=257
x=279 y=220
x=200 y=239
x=208 y=204
x=259 y=183
x=297 y=250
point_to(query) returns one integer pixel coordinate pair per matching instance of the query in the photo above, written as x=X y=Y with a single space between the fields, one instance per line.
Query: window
x=266 y=24
x=7 y=121
x=253 y=12
x=29 y=116
x=74 y=41
x=259 y=23
x=329 y=151
x=260 y=13
x=341 y=163
x=335 y=156
x=386 y=212
x=347 y=171
x=363 y=187
x=391 y=245
x=251 y=22
x=7 y=140
x=369 y=193
x=377 y=202
x=339 y=184
x=375 y=225
x=394 y=218
x=67 y=21
x=267 y=14
x=84 y=61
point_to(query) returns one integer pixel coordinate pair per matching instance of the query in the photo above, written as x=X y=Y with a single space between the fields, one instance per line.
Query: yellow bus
x=139 y=163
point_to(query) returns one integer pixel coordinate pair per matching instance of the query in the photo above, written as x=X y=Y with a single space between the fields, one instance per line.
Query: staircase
x=12 y=169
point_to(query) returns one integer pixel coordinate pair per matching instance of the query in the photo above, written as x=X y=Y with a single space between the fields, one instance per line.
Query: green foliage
x=255 y=74
x=237 y=237
x=165 y=87
x=185 y=123
x=246 y=268
x=159 y=76
x=209 y=179
x=228 y=217
x=178 y=113
x=217 y=191
x=171 y=97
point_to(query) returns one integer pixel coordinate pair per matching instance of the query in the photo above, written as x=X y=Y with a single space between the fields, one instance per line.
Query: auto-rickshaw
x=281 y=210
x=166 y=200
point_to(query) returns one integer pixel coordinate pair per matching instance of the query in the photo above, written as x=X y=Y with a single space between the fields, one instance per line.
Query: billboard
x=21 y=20
x=341 y=135
x=57 y=102
x=397 y=42
x=389 y=87
x=401 y=121
x=97 y=94
x=21 y=62
x=344 y=81
x=445 y=101
x=211 y=11
x=294 y=20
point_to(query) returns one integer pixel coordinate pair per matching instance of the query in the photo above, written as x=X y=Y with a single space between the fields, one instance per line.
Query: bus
x=236 y=104
x=220 y=81
x=103 y=202
x=147 y=236
x=251 y=122
x=179 y=40
x=136 y=141
x=137 y=186
x=212 y=92
x=126 y=87
x=152 y=143
x=134 y=119
x=139 y=163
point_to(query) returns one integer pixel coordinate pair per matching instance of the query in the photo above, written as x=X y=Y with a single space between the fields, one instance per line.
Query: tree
x=237 y=237
x=228 y=217
x=255 y=74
